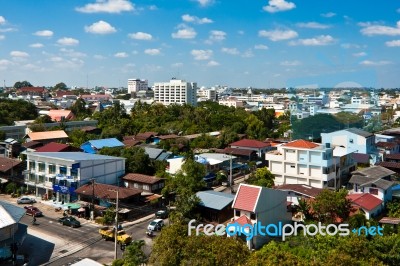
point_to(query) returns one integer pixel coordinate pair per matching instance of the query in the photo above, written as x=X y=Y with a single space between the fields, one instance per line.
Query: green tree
x=330 y=205
x=262 y=177
x=2 y=135
x=79 y=109
x=60 y=86
x=21 y=84
x=133 y=255
x=43 y=119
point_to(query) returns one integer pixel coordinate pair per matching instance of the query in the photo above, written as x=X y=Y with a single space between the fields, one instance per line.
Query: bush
x=10 y=188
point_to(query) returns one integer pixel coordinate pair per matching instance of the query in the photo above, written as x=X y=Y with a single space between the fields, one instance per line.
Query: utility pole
x=230 y=172
x=92 y=207
x=116 y=222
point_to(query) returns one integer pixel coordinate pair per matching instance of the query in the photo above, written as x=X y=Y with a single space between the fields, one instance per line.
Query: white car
x=155 y=225
x=25 y=200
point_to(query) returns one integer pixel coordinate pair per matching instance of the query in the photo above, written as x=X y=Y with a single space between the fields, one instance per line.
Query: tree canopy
x=14 y=110
x=21 y=84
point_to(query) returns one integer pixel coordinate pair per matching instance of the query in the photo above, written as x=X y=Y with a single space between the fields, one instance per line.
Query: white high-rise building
x=175 y=92
x=136 y=85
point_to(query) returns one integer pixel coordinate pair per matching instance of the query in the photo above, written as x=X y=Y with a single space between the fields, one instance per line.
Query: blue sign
x=63 y=189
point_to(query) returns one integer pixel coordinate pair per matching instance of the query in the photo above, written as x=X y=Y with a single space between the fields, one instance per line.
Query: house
x=11 y=231
x=146 y=183
x=215 y=206
x=57 y=147
x=48 y=136
x=146 y=137
x=11 y=169
x=91 y=130
x=387 y=147
x=10 y=148
x=33 y=91
x=157 y=138
x=61 y=115
x=254 y=204
x=250 y=144
x=157 y=154
x=217 y=161
x=131 y=142
x=295 y=192
x=174 y=164
x=354 y=140
x=59 y=174
x=302 y=162
x=243 y=155
x=375 y=180
x=93 y=146
x=370 y=205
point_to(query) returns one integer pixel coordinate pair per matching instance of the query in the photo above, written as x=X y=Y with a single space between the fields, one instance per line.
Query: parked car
x=25 y=200
x=162 y=214
x=69 y=221
x=32 y=210
x=155 y=225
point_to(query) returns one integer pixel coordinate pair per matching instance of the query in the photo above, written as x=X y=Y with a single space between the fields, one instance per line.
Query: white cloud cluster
x=18 y=54
x=290 y=63
x=212 y=63
x=4 y=64
x=232 y=51
x=204 y=3
x=202 y=54
x=184 y=32
x=394 y=43
x=36 y=45
x=140 y=36
x=68 y=41
x=100 y=27
x=313 y=25
x=196 y=20
x=278 y=6
x=216 y=36
x=44 y=33
x=121 y=55
x=152 y=51
x=278 y=35
x=107 y=6
x=260 y=47
x=360 y=54
x=373 y=29
x=328 y=15
x=2 y=20
x=375 y=63
x=316 y=41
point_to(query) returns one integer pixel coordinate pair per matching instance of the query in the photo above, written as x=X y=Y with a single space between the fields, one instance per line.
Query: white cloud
x=370 y=29
x=260 y=47
x=68 y=41
x=212 y=63
x=349 y=45
x=202 y=54
x=152 y=51
x=375 y=63
x=328 y=15
x=179 y=64
x=248 y=53
x=196 y=20
x=2 y=20
x=394 y=43
x=18 y=54
x=56 y=59
x=184 y=33
x=313 y=25
x=278 y=35
x=2 y=37
x=72 y=53
x=360 y=54
x=232 y=51
x=107 y=6
x=316 y=41
x=153 y=7
x=121 y=55
x=4 y=64
x=205 y=2
x=278 y=5
x=44 y=33
x=100 y=27
x=140 y=36
x=36 y=45
x=290 y=63
x=216 y=36
x=99 y=57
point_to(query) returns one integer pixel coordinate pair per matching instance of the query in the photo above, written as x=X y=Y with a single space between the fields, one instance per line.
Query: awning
x=2 y=180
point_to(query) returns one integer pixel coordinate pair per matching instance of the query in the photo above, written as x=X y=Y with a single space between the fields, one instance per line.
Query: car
x=32 y=210
x=155 y=225
x=69 y=221
x=25 y=200
x=162 y=214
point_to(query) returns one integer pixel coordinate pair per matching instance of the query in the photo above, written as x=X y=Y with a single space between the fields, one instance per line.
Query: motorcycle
x=149 y=233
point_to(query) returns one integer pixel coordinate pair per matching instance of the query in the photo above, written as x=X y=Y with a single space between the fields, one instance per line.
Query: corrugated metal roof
x=359 y=132
x=74 y=156
x=10 y=214
x=111 y=142
x=153 y=152
x=214 y=199
x=56 y=134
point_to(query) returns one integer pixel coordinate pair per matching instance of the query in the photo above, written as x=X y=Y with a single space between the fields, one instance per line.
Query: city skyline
x=262 y=44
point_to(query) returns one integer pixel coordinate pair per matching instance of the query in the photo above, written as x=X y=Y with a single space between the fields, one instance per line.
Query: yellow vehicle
x=107 y=233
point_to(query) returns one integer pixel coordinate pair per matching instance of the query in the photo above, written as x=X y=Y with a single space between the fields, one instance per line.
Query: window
x=252 y=216
x=146 y=187
x=351 y=141
x=373 y=191
x=237 y=213
x=292 y=166
x=41 y=167
x=63 y=170
x=32 y=166
x=52 y=169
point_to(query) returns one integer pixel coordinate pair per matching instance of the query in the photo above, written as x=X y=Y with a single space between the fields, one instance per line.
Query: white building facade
x=136 y=85
x=58 y=174
x=175 y=92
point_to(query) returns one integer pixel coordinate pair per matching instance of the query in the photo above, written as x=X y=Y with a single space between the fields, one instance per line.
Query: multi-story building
x=175 y=92
x=136 y=85
x=302 y=162
x=231 y=101
x=58 y=174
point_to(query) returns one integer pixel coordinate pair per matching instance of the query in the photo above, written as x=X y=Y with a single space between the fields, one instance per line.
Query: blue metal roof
x=100 y=143
x=214 y=199
x=75 y=156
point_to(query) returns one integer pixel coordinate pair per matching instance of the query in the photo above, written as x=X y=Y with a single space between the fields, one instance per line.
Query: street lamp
x=116 y=222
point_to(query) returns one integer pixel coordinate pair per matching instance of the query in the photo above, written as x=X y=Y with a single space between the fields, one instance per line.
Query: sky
x=234 y=43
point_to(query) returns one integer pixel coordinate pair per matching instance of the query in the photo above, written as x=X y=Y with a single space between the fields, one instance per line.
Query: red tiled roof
x=147 y=179
x=145 y=135
x=104 y=191
x=56 y=134
x=390 y=165
x=301 y=143
x=246 y=198
x=57 y=115
x=250 y=143
x=242 y=220
x=53 y=147
x=171 y=136
x=131 y=142
x=395 y=156
x=7 y=163
x=301 y=189
x=364 y=200
x=388 y=145
x=31 y=89
x=235 y=151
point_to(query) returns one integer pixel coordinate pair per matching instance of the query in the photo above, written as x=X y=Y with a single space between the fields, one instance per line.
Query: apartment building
x=231 y=102
x=302 y=162
x=175 y=92
x=136 y=85
x=59 y=174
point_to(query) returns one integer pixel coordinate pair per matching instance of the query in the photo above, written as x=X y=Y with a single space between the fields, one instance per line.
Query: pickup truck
x=107 y=233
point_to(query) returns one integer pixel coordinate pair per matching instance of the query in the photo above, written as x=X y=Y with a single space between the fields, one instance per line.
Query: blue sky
x=234 y=43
